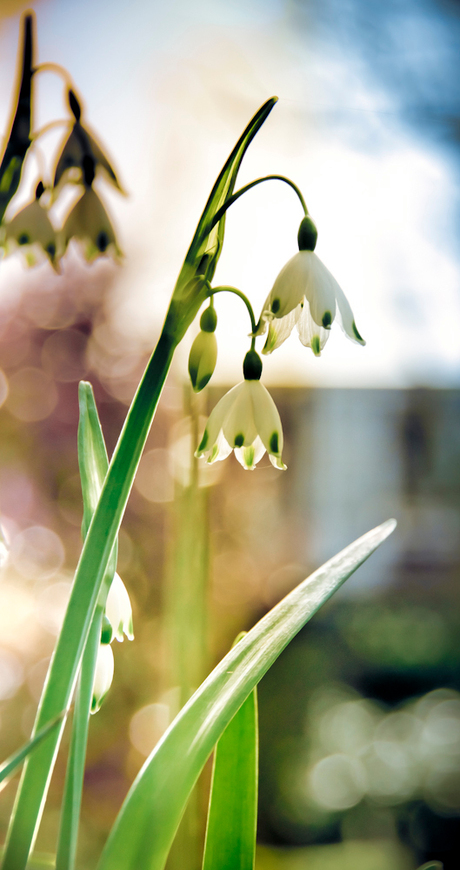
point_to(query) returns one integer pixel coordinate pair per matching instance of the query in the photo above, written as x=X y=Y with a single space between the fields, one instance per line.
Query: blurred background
x=360 y=718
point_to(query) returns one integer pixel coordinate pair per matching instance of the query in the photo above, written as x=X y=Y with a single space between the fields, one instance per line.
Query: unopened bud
x=202 y=359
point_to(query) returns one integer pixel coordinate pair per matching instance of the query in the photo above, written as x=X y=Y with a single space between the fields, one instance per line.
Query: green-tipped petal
x=347 y=320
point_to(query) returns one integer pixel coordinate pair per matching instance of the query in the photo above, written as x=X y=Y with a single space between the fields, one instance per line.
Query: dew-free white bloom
x=103 y=675
x=307 y=295
x=89 y=223
x=245 y=420
x=118 y=610
x=77 y=147
x=31 y=231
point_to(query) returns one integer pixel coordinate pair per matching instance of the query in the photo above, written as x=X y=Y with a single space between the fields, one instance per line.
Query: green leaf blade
x=10 y=765
x=232 y=819
x=146 y=825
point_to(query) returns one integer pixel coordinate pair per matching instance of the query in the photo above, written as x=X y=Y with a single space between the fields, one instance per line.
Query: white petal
x=289 y=287
x=310 y=334
x=118 y=610
x=280 y=329
x=320 y=289
x=219 y=450
x=89 y=223
x=239 y=423
x=216 y=421
x=103 y=676
x=346 y=318
x=33 y=222
x=267 y=419
x=248 y=457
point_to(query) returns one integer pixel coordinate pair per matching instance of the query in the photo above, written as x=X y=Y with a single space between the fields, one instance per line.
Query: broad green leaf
x=8 y=767
x=232 y=819
x=146 y=825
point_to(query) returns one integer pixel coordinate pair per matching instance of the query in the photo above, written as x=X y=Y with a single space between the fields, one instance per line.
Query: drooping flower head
x=89 y=223
x=77 y=147
x=32 y=232
x=306 y=295
x=245 y=420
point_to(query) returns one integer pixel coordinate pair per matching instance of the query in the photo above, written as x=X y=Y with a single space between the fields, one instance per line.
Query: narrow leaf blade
x=8 y=767
x=232 y=819
x=146 y=825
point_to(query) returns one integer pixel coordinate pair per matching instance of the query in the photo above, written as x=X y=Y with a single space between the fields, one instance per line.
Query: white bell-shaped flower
x=78 y=145
x=89 y=223
x=245 y=420
x=118 y=610
x=307 y=295
x=31 y=231
x=103 y=676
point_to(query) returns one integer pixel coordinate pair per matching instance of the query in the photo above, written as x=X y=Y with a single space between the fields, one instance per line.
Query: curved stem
x=51 y=126
x=55 y=68
x=243 y=297
x=219 y=214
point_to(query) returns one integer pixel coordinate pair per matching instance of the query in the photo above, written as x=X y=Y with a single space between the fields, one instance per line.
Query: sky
x=366 y=125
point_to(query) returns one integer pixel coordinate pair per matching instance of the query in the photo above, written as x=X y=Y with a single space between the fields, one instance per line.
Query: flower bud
x=202 y=359
x=307 y=235
x=103 y=676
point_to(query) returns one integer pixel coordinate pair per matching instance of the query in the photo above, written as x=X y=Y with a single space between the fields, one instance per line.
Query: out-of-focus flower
x=245 y=420
x=4 y=548
x=118 y=610
x=78 y=146
x=103 y=676
x=89 y=223
x=203 y=353
x=32 y=232
x=307 y=295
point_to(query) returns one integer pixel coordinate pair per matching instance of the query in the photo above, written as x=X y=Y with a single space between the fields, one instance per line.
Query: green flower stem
x=243 y=297
x=68 y=831
x=95 y=554
x=58 y=69
x=219 y=214
x=53 y=125
x=18 y=140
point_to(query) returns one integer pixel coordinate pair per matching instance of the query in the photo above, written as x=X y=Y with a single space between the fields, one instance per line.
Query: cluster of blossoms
x=79 y=162
x=304 y=294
